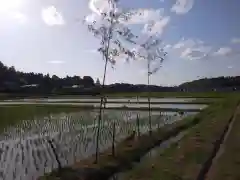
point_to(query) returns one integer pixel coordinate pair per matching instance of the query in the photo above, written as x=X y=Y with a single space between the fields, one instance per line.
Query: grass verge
x=227 y=165
x=185 y=160
x=176 y=94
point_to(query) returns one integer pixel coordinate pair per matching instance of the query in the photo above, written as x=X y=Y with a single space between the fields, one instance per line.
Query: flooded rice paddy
x=114 y=103
x=26 y=154
x=108 y=99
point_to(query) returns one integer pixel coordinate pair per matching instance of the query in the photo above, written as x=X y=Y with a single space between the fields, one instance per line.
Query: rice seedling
x=25 y=151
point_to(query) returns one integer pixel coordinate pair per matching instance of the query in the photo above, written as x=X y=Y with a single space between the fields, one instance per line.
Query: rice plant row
x=26 y=154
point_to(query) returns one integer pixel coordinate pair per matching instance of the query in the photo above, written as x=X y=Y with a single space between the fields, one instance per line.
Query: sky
x=201 y=37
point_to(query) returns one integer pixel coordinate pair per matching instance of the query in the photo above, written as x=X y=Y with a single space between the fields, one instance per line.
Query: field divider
x=192 y=156
x=217 y=145
x=225 y=164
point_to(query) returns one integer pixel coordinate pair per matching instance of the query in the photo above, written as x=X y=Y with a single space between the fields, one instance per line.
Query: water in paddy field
x=26 y=154
x=108 y=99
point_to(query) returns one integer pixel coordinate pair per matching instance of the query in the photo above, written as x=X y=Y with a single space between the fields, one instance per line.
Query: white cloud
x=56 y=62
x=178 y=45
x=230 y=67
x=223 y=51
x=191 y=49
x=99 y=6
x=196 y=53
x=182 y=6
x=142 y=16
x=156 y=27
x=235 y=40
x=153 y=19
x=52 y=17
x=138 y=16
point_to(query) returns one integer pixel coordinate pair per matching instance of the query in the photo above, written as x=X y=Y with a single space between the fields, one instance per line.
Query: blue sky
x=202 y=38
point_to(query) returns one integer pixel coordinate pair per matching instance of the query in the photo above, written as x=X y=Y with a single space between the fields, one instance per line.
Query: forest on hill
x=13 y=81
x=213 y=83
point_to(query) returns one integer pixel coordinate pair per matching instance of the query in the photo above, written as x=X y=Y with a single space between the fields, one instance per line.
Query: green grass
x=12 y=114
x=177 y=94
x=184 y=160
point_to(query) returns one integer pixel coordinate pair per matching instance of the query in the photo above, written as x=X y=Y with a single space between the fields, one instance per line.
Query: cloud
x=230 y=67
x=195 y=49
x=142 y=16
x=153 y=19
x=191 y=49
x=182 y=6
x=235 y=40
x=195 y=53
x=178 y=45
x=223 y=51
x=56 y=62
x=99 y=6
x=156 y=27
x=52 y=17
x=138 y=16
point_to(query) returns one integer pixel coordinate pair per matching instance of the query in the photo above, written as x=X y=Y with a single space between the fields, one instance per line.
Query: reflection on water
x=109 y=99
x=26 y=154
x=118 y=105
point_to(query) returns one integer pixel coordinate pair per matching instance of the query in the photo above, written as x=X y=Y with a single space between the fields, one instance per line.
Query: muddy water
x=26 y=154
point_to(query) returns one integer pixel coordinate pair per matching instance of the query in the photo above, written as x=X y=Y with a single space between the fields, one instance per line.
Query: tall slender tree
x=154 y=55
x=114 y=35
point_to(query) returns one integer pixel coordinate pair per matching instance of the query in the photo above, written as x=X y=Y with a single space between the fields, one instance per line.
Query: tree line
x=13 y=81
x=215 y=84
